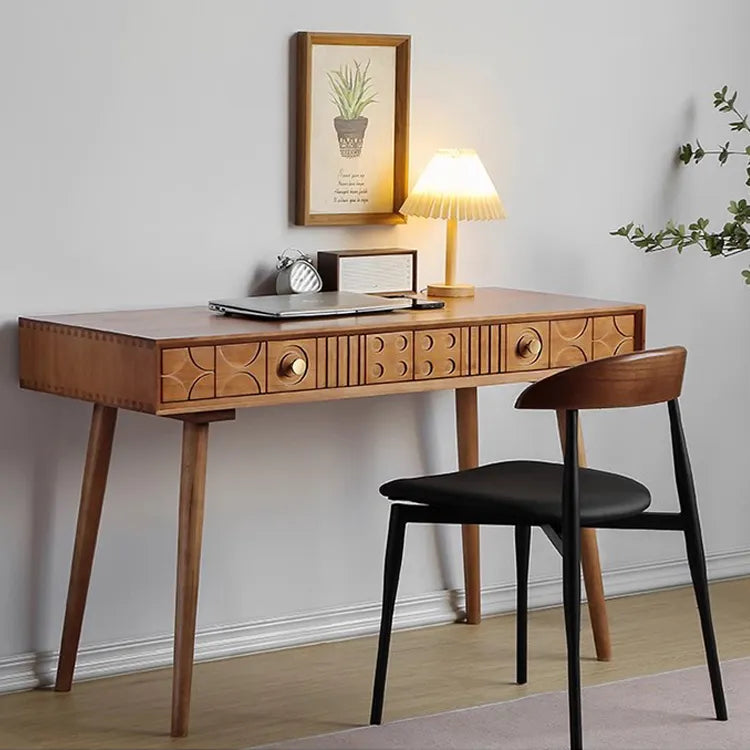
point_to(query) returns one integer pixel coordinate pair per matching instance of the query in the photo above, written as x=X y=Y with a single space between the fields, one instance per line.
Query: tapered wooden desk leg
x=101 y=435
x=192 y=495
x=592 y=572
x=468 y=457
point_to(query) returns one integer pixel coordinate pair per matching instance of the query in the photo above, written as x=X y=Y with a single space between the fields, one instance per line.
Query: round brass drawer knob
x=529 y=346
x=292 y=366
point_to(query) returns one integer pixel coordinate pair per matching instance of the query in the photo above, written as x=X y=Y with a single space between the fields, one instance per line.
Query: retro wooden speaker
x=391 y=270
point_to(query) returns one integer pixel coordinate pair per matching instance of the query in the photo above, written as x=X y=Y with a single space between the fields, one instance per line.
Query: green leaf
x=746 y=274
x=350 y=88
x=623 y=231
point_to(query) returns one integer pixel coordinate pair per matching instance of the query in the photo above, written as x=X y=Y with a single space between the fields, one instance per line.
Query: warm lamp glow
x=454 y=185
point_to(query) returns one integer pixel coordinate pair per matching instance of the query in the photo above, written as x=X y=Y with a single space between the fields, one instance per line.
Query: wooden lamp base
x=450 y=290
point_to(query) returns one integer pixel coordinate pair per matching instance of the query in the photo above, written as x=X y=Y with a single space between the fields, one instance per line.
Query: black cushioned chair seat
x=525 y=492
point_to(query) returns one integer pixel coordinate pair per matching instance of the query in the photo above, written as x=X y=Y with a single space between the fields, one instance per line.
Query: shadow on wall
x=263 y=281
x=429 y=429
x=42 y=447
x=669 y=188
x=30 y=450
x=42 y=443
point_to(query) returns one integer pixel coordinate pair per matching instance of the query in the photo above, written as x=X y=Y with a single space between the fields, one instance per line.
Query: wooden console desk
x=193 y=365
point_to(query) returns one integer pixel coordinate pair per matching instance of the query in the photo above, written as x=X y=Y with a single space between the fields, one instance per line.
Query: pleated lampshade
x=454 y=185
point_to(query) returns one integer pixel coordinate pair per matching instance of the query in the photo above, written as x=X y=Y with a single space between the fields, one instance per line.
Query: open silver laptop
x=308 y=305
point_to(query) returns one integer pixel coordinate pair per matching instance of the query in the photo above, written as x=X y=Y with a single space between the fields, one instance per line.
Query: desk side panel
x=90 y=365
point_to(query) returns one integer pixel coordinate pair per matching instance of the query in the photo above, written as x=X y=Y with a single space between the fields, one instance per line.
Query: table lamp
x=454 y=186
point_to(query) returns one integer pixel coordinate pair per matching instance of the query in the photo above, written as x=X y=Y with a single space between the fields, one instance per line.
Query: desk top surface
x=489 y=303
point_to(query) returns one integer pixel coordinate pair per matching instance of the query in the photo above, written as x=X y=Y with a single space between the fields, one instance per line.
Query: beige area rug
x=670 y=711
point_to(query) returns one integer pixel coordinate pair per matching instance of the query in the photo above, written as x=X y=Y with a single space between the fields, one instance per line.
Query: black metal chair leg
x=695 y=554
x=523 y=547
x=393 y=556
x=571 y=544
x=697 y=562
x=572 y=604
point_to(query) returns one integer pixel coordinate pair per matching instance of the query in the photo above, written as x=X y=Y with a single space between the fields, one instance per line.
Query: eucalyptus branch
x=727 y=105
x=734 y=237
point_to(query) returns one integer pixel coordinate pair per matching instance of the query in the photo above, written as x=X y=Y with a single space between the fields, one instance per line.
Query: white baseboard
x=18 y=673
x=27 y=671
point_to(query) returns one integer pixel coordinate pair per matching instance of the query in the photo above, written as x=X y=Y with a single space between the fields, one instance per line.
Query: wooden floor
x=238 y=703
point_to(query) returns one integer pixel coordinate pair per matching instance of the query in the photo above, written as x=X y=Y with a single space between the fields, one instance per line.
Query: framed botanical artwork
x=352 y=128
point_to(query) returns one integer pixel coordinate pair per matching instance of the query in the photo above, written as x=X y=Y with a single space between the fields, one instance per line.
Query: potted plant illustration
x=733 y=237
x=351 y=91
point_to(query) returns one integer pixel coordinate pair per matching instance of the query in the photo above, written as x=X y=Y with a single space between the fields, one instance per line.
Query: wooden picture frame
x=352 y=125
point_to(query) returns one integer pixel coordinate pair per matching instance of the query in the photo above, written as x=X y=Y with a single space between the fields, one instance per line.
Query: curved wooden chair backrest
x=649 y=377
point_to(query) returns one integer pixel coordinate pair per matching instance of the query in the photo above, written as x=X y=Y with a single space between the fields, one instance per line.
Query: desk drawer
x=577 y=340
x=389 y=357
x=437 y=353
x=228 y=371
x=292 y=365
x=527 y=346
x=567 y=342
x=240 y=369
x=188 y=373
x=193 y=373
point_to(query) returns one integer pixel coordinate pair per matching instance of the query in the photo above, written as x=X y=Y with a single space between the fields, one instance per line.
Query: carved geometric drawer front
x=240 y=369
x=570 y=342
x=389 y=357
x=527 y=346
x=187 y=373
x=348 y=360
x=613 y=334
x=437 y=354
x=292 y=365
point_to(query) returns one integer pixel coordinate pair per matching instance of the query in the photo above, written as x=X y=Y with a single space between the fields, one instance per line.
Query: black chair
x=561 y=498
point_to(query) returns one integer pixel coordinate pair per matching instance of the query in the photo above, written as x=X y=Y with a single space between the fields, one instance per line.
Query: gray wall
x=145 y=161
